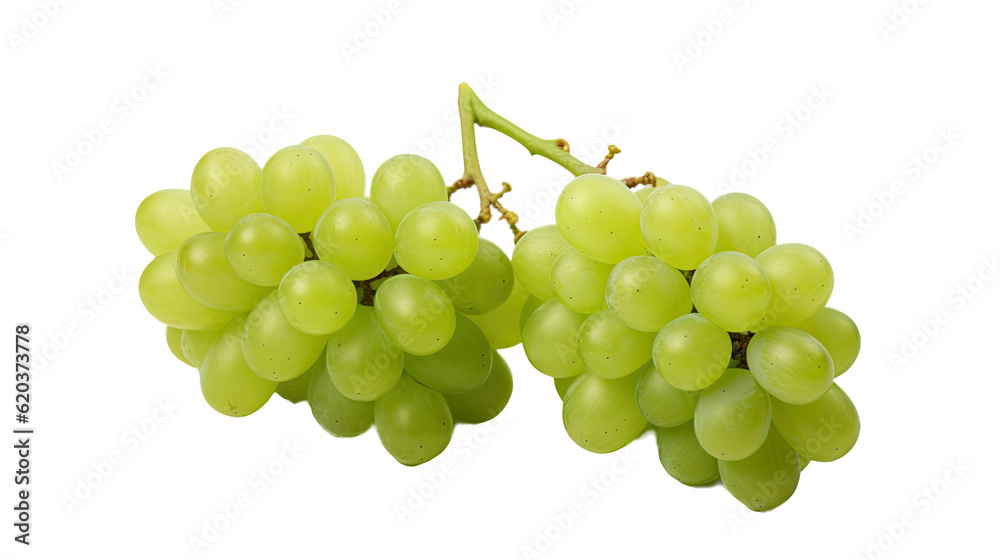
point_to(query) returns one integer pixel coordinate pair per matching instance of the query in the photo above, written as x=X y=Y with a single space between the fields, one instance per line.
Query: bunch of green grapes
x=660 y=310
x=383 y=310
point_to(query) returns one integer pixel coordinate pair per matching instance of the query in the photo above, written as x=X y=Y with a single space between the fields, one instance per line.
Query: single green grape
x=562 y=385
x=363 y=362
x=802 y=463
x=578 y=281
x=335 y=413
x=295 y=390
x=436 y=240
x=413 y=422
x=261 y=248
x=801 y=283
x=600 y=414
x=227 y=382
x=732 y=416
x=599 y=216
x=195 y=344
x=731 y=290
x=643 y=193
x=225 y=186
x=661 y=403
x=501 y=325
x=317 y=298
x=415 y=313
x=461 y=366
x=404 y=182
x=549 y=339
x=297 y=185
x=645 y=293
x=824 y=430
x=166 y=219
x=611 y=349
x=273 y=348
x=533 y=256
x=745 y=224
x=348 y=171
x=484 y=285
x=691 y=352
x=488 y=400
x=354 y=236
x=167 y=301
x=837 y=333
x=766 y=479
x=679 y=226
x=204 y=272
x=174 y=343
x=683 y=457
x=791 y=365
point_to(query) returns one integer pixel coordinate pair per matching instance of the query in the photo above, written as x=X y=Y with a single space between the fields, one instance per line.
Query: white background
x=601 y=72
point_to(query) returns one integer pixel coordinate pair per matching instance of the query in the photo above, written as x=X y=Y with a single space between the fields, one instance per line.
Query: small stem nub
x=612 y=152
x=649 y=178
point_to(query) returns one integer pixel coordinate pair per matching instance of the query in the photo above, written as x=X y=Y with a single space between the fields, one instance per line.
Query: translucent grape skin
x=273 y=348
x=838 y=334
x=766 y=479
x=533 y=257
x=261 y=248
x=691 y=352
x=824 y=430
x=167 y=301
x=355 y=236
x=599 y=216
x=295 y=390
x=662 y=404
x=502 y=325
x=363 y=362
x=732 y=417
x=562 y=385
x=461 y=366
x=335 y=413
x=731 y=290
x=348 y=171
x=801 y=283
x=174 y=343
x=645 y=293
x=204 y=272
x=484 y=285
x=679 y=226
x=436 y=240
x=578 y=281
x=297 y=185
x=610 y=349
x=317 y=298
x=549 y=339
x=745 y=224
x=227 y=382
x=487 y=401
x=413 y=422
x=683 y=457
x=791 y=365
x=195 y=344
x=404 y=182
x=166 y=219
x=600 y=415
x=415 y=313
x=225 y=186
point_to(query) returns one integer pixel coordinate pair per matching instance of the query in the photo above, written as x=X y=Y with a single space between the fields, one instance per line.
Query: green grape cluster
x=659 y=310
x=384 y=310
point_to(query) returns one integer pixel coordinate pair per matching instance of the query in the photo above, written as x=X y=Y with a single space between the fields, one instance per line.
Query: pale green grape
x=404 y=182
x=261 y=248
x=731 y=290
x=837 y=333
x=166 y=219
x=413 y=422
x=790 y=364
x=348 y=171
x=195 y=344
x=363 y=362
x=600 y=414
x=802 y=462
x=824 y=430
x=227 y=382
x=683 y=457
x=766 y=479
x=205 y=273
x=167 y=301
x=501 y=325
x=562 y=385
x=274 y=349
x=317 y=298
x=485 y=285
x=611 y=349
x=745 y=224
x=578 y=281
x=549 y=340
x=645 y=293
x=485 y=402
x=801 y=282
x=225 y=186
x=295 y=390
x=643 y=193
x=415 y=313
x=732 y=416
x=297 y=185
x=335 y=413
x=679 y=226
x=354 y=235
x=527 y=310
x=599 y=216
x=691 y=352
x=661 y=403
x=436 y=240
x=533 y=256
x=174 y=343
x=461 y=366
